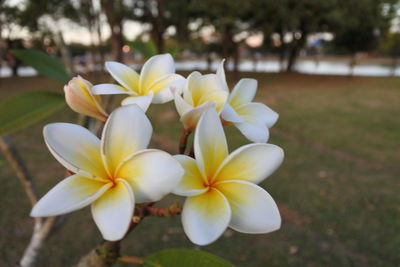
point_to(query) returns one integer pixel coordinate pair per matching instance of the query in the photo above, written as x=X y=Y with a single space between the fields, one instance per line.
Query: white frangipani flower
x=221 y=188
x=199 y=93
x=153 y=85
x=252 y=119
x=111 y=174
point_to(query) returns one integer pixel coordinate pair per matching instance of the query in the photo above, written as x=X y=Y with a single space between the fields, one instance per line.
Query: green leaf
x=183 y=258
x=147 y=49
x=27 y=108
x=43 y=63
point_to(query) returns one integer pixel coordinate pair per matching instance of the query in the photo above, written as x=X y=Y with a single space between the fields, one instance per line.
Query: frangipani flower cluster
x=116 y=172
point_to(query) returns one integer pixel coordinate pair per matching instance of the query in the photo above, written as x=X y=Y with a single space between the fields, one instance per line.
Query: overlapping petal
x=230 y=115
x=142 y=101
x=181 y=105
x=124 y=75
x=218 y=97
x=253 y=162
x=243 y=92
x=110 y=89
x=192 y=182
x=258 y=112
x=76 y=148
x=200 y=85
x=253 y=209
x=256 y=131
x=205 y=217
x=155 y=68
x=113 y=211
x=127 y=131
x=210 y=143
x=72 y=193
x=151 y=173
x=221 y=75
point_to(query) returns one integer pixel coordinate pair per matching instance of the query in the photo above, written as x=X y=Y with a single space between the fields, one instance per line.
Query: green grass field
x=338 y=188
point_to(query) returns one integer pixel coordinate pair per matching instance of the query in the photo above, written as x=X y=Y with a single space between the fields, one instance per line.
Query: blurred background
x=329 y=68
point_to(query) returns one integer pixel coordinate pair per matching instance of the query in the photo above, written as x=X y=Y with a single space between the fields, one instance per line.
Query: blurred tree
x=161 y=15
x=8 y=19
x=361 y=25
x=231 y=20
x=293 y=21
x=116 y=12
x=390 y=46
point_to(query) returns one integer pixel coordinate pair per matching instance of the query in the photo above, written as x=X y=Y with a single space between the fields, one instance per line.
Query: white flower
x=200 y=92
x=80 y=99
x=221 y=189
x=111 y=175
x=152 y=86
x=252 y=119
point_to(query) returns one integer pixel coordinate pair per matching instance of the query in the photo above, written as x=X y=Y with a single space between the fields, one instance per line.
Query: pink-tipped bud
x=80 y=99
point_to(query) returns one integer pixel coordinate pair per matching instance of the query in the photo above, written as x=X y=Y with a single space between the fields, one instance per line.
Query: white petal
x=258 y=112
x=181 y=105
x=76 y=148
x=127 y=131
x=151 y=173
x=221 y=75
x=253 y=162
x=201 y=85
x=253 y=210
x=218 y=97
x=205 y=217
x=165 y=87
x=229 y=114
x=192 y=182
x=191 y=118
x=243 y=92
x=72 y=193
x=110 y=89
x=256 y=132
x=156 y=67
x=113 y=211
x=163 y=96
x=166 y=82
x=142 y=101
x=124 y=75
x=210 y=145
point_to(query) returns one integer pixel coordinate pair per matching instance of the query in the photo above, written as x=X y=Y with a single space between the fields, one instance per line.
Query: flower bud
x=80 y=99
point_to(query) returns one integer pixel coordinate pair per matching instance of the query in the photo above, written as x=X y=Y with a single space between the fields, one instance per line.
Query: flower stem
x=130 y=259
x=183 y=141
x=172 y=210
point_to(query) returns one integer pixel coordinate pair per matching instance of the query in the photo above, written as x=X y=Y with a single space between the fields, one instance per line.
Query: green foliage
x=185 y=257
x=146 y=49
x=27 y=108
x=43 y=63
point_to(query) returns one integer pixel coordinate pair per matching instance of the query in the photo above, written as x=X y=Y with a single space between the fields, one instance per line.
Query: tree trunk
x=158 y=27
x=293 y=53
x=282 y=51
x=352 y=64
x=112 y=9
x=394 y=65
x=236 y=61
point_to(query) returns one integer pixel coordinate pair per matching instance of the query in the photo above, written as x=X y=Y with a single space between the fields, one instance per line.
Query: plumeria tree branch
x=42 y=227
x=174 y=209
x=108 y=252
x=10 y=152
